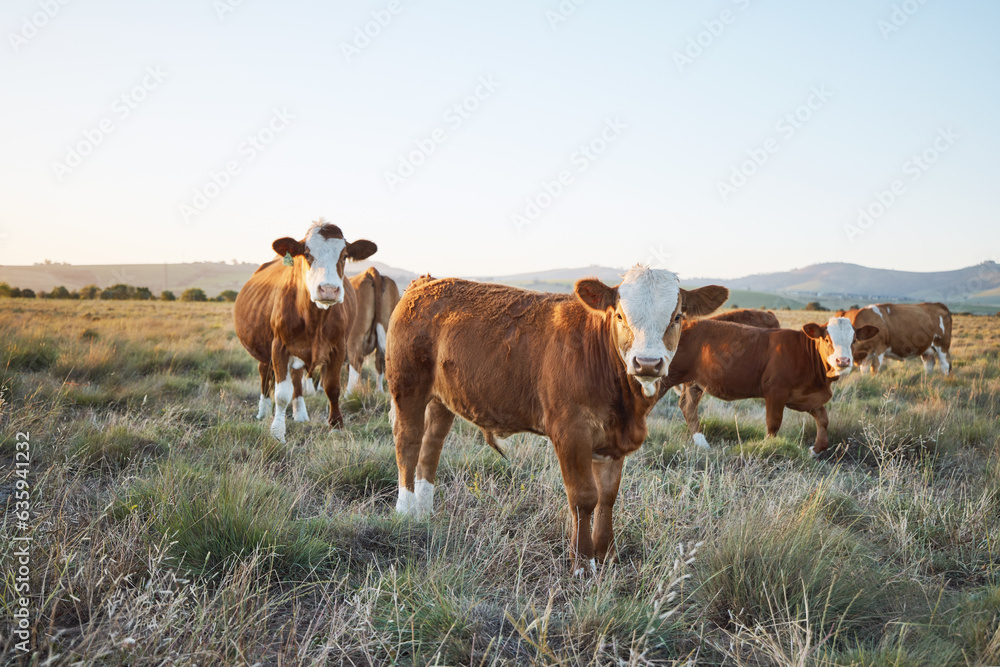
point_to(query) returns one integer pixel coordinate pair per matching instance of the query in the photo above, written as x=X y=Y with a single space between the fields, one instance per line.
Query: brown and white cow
x=690 y=394
x=377 y=297
x=291 y=318
x=786 y=368
x=579 y=368
x=905 y=330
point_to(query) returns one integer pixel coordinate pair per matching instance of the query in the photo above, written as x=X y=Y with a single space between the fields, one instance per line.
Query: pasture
x=170 y=528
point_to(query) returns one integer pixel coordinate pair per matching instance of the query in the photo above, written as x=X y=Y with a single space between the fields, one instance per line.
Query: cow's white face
x=646 y=310
x=323 y=268
x=320 y=258
x=835 y=341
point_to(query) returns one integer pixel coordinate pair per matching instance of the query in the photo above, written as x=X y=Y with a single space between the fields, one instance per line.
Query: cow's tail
x=491 y=440
x=380 y=337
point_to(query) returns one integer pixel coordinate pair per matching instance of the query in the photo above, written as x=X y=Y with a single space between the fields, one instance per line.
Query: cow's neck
x=821 y=367
x=629 y=401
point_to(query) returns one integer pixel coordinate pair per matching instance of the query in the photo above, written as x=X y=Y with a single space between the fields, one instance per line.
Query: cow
x=754 y=318
x=785 y=367
x=905 y=331
x=689 y=393
x=580 y=368
x=377 y=295
x=294 y=314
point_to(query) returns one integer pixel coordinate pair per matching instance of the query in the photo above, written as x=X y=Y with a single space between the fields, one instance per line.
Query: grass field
x=169 y=528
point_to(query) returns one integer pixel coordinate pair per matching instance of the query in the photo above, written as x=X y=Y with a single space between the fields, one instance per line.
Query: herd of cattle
x=584 y=369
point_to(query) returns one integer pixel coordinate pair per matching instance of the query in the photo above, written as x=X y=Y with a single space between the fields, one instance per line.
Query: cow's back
x=748 y=316
x=481 y=349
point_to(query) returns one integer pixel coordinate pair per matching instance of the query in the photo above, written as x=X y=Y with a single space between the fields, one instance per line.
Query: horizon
x=718 y=140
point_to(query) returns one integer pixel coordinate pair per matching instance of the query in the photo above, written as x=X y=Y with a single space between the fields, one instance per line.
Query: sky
x=718 y=138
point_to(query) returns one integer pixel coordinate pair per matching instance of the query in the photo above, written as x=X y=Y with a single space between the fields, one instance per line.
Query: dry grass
x=171 y=529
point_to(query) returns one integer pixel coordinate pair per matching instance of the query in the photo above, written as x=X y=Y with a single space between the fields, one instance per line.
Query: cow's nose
x=328 y=292
x=647 y=365
x=843 y=362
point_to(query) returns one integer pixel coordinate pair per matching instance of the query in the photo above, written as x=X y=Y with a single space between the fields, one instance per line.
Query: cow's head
x=320 y=256
x=646 y=310
x=835 y=340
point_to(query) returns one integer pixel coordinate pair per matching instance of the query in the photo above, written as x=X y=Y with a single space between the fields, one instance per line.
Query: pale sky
x=471 y=138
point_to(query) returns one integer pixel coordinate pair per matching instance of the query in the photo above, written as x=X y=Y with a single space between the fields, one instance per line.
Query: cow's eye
x=308 y=257
x=619 y=316
x=677 y=318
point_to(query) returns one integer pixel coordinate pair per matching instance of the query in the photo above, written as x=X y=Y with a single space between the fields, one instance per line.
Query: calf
x=294 y=314
x=377 y=297
x=786 y=368
x=580 y=368
x=905 y=331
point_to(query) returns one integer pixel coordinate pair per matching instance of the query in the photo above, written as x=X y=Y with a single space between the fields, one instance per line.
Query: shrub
x=194 y=294
x=167 y=295
x=815 y=305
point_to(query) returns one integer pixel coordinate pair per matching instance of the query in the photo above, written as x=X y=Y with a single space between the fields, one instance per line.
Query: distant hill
x=975 y=284
x=213 y=277
x=834 y=285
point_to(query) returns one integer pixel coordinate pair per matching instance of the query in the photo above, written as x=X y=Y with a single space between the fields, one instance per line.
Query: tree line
x=119 y=292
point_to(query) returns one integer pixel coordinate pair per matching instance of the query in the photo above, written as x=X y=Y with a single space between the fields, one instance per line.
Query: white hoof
x=589 y=569
x=278 y=429
x=700 y=440
x=263 y=407
x=299 y=412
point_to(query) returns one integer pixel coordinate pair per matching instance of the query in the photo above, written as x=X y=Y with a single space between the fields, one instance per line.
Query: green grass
x=166 y=514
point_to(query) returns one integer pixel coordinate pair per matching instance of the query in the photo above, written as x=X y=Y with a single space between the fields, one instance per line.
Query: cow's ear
x=865 y=332
x=704 y=300
x=360 y=249
x=814 y=330
x=596 y=294
x=289 y=246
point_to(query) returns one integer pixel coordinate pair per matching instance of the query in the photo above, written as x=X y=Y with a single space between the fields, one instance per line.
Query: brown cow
x=295 y=317
x=786 y=368
x=377 y=297
x=905 y=331
x=690 y=394
x=580 y=368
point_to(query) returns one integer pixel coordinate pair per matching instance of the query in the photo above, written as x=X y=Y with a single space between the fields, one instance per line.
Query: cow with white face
x=580 y=368
x=293 y=315
x=787 y=368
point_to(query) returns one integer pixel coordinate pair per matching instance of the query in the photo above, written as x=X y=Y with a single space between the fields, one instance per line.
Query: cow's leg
x=608 y=475
x=264 y=404
x=929 y=357
x=774 y=412
x=581 y=491
x=282 y=388
x=689 y=406
x=876 y=362
x=380 y=355
x=437 y=422
x=408 y=432
x=308 y=384
x=945 y=358
x=331 y=384
x=822 y=421
x=299 y=412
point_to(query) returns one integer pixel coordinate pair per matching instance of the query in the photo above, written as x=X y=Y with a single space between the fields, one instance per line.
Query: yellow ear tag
x=288 y=261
